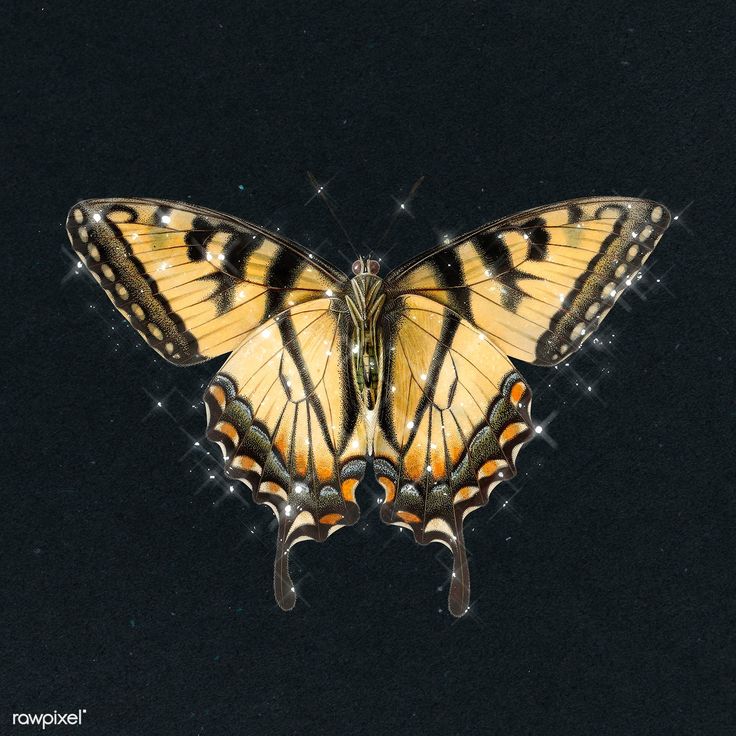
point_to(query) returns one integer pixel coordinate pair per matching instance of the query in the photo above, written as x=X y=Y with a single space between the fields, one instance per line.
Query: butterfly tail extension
x=458 y=600
x=283 y=585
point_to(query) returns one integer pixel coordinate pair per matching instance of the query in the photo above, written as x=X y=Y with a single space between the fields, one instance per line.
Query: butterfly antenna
x=395 y=216
x=319 y=191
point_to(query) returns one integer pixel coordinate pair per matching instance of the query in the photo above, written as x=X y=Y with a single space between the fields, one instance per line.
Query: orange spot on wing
x=218 y=394
x=324 y=467
x=414 y=462
x=408 y=517
x=243 y=462
x=490 y=468
x=330 y=519
x=348 y=489
x=300 y=463
x=438 y=467
x=455 y=448
x=517 y=392
x=513 y=430
x=467 y=492
x=281 y=443
x=228 y=430
x=389 y=486
x=273 y=488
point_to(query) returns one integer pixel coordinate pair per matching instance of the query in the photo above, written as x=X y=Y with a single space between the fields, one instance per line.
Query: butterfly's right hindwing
x=454 y=415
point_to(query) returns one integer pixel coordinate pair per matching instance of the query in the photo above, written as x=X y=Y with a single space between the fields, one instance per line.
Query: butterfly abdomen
x=365 y=304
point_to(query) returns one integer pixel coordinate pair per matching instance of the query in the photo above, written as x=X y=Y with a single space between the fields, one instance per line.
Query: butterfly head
x=366 y=265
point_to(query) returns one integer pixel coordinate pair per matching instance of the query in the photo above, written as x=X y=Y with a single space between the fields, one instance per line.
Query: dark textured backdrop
x=603 y=591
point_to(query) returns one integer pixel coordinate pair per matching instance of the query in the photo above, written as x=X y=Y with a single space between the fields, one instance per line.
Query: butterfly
x=328 y=370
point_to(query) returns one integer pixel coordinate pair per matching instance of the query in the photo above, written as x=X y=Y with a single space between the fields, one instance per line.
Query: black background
x=140 y=589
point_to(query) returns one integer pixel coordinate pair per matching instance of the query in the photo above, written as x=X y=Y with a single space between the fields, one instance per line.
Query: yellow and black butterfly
x=327 y=370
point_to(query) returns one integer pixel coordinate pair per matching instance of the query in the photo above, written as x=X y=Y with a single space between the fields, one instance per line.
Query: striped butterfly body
x=327 y=371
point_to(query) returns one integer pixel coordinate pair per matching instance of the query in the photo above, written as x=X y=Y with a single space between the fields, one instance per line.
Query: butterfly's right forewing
x=539 y=283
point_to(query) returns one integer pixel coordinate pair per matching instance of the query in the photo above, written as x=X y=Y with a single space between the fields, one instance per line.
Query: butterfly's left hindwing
x=285 y=413
x=191 y=281
x=454 y=415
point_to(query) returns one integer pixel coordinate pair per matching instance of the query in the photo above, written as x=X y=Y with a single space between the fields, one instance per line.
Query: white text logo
x=48 y=719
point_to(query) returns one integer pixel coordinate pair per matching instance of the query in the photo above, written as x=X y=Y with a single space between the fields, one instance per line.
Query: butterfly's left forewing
x=191 y=281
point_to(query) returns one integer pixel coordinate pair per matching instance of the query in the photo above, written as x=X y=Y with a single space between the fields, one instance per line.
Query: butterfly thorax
x=365 y=302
